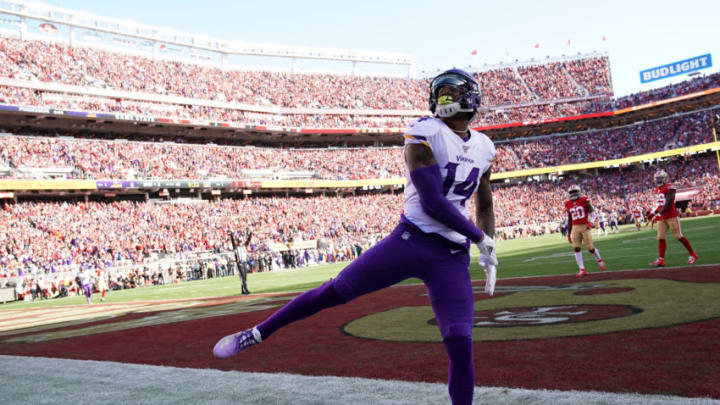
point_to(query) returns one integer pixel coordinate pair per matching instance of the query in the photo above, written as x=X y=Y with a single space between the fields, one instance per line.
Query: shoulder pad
x=425 y=126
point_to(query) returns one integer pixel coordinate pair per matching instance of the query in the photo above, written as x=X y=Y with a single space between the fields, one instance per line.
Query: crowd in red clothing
x=59 y=63
x=598 y=145
x=513 y=93
x=53 y=235
x=674 y=90
x=97 y=159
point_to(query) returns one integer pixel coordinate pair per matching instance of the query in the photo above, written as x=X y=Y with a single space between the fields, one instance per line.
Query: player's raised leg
x=384 y=264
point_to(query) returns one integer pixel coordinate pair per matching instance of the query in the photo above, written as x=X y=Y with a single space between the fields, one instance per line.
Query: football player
x=602 y=223
x=666 y=216
x=614 y=221
x=446 y=163
x=102 y=284
x=637 y=214
x=579 y=211
x=84 y=280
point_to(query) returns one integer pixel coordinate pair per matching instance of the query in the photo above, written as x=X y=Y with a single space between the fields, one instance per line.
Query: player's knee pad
x=591 y=250
x=456 y=332
x=577 y=249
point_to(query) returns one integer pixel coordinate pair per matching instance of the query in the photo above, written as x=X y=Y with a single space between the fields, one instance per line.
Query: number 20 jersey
x=461 y=162
x=578 y=210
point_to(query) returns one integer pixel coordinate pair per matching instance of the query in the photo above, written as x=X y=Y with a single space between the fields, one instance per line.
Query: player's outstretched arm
x=425 y=175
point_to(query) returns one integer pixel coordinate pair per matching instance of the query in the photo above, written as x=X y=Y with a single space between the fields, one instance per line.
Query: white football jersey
x=84 y=278
x=461 y=162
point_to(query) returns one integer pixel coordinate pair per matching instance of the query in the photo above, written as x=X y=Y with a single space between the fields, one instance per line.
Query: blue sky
x=443 y=33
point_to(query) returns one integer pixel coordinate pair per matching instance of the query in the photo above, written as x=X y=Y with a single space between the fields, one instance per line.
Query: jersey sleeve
x=423 y=131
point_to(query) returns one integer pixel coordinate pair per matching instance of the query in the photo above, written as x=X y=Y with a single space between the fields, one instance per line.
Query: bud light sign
x=676 y=68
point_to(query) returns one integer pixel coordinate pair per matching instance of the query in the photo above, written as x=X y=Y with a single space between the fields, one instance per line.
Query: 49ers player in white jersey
x=579 y=210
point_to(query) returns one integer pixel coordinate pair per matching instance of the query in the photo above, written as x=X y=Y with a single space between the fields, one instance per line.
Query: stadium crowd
x=53 y=62
x=674 y=90
x=98 y=159
x=513 y=94
x=50 y=237
x=44 y=244
x=43 y=238
x=597 y=145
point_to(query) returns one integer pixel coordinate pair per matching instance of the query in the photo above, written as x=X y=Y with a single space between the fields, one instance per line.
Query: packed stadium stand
x=27 y=156
x=143 y=165
x=33 y=71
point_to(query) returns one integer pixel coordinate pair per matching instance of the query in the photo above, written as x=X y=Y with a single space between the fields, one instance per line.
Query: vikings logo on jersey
x=461 y=162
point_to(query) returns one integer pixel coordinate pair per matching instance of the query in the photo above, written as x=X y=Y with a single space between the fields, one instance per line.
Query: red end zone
x=650 y=331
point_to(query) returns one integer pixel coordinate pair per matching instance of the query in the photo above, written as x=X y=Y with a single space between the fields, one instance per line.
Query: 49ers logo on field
x=529 y=316
x=553 y=311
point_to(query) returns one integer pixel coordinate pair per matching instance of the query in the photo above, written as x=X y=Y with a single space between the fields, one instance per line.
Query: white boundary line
x=39 y=380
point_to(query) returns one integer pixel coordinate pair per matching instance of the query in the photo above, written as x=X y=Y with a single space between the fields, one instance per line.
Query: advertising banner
x=676 y=68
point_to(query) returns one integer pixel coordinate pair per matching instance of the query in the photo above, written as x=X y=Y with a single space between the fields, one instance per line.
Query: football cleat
x=581 y=273
x=233 y=344
x=693 y=258
x=660 y=262
x=602 y=265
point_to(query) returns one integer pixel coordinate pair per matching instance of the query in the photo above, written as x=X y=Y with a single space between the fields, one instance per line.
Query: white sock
x=257 y=335
x=579 y=260
x=596 y=253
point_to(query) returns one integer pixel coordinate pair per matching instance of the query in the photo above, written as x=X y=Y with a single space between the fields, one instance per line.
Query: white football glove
x=491 y=278
x=487 y=248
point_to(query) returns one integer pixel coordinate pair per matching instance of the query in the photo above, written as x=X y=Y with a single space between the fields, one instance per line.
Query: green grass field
x=546 y=255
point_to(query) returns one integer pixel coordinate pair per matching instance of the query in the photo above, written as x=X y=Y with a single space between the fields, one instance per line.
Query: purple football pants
x=87 y=288
x=407 y=252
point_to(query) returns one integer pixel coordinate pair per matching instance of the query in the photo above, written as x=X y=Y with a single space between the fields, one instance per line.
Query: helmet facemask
x=660 y=178
x=467 y=92
x=574 y=192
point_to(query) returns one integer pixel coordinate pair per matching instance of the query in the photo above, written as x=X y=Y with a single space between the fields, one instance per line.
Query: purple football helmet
x=469 y=90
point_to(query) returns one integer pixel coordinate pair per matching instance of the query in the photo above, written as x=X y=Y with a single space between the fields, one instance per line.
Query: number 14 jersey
x=461 y=162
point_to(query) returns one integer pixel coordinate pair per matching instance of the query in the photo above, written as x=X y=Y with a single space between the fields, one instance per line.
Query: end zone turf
x=595 y=333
